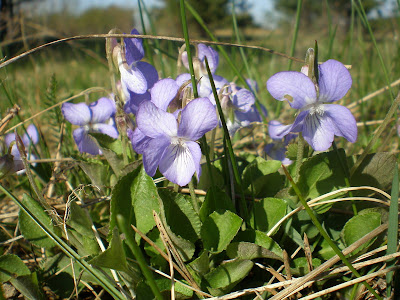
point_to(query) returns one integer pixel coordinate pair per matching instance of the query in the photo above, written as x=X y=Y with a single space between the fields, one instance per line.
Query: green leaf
x=246 y=250
x=182 y=292
x=114 y=256
x=178 y=210
x=215 y=199
x=12 y=266
x=259 y=238
x=322 y=174
x=299 y=266
x=219 y=229
x=81 y=228
x=201 y=264
x=135 y=197
x=96 y=171
x=263 y=176
x=30 y=230
x=28 y=286
x=376 y=170
x=227 y=275
x=205 y=180
x=185 y=247
x=358 y=226
x=267 y=212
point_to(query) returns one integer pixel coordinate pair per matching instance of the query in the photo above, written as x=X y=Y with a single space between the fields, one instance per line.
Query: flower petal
x=275 y=128
x=197 y=118
x=133 y=48
x=153 y=153
x=9 y=138
x=106 y=129
x=163 y=92
x=76 y=114
x=134 y=100
x=138 y=140
x=243 y=99
x=85 y=142
x=133 y=79
x=149 y=72
x=102 y=110
x=177 y=164
x=297 y=126
x=211 y=54
x=31 y=135
x=318 y=131
x=295 y=87
x=196 y=154
x=334 y=81
x=154 y=122
x=344 y=121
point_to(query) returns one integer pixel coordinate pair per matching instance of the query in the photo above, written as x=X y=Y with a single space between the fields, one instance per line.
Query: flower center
x=317 y=108
x=178 y=141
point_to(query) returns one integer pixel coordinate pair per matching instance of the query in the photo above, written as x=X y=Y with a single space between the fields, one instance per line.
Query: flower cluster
x=166 y=121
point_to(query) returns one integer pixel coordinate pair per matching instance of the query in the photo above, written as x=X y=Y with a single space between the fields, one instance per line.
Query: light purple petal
x=9 y=138
x=275 y=128
x=196 y=154
x=102 y=110
x=132 y=104
x=185 y=60
x=177 y=164
x=318 y=131
x=252 y=115
x=149 y=72
x=277 y=151
x=31 y=135
x=133 y=79
x=154 y=122
x=163 y=92
x=243 y=100
x=198 y=117
x=297 y=126
x=334 y=81
x=294 y=87
x=153 y=153
x=76 y=114
x=84 y=142
x=182 y=79
x=211 y=54
x=106 y=129
x=133 y=48
x=138 y=140
x=252 y=84
x=344 y=121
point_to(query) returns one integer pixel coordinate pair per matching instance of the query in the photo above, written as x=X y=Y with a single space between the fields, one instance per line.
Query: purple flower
x=170 y=144
x=319 y=122
x=277 y=149
x=203 y=51
x=90 y=118
x=31 y=137
x=136 y=76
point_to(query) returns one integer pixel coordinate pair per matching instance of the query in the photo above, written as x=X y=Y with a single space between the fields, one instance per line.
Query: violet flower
x=170 y=144
x=90 y=118
x=136 y=76
x=31 y=137
x=202 y=52
x=318 y=121
x=277 y=149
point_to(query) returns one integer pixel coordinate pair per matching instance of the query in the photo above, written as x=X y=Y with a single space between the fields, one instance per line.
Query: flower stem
x=325 y=235
x=300 y=155
x=130 y=240
x=195 y=203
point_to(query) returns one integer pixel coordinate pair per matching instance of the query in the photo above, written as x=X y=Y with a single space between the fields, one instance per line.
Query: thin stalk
x=293 y=47
x=203 y=140
x=325 y=235
x=243 y=206
x=195 y=202
x=300 y=155
x=393 y=228
x=145 y=42
x=129 y=236
x=66 y=249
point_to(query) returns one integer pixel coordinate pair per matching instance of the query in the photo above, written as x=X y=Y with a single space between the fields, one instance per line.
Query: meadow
x=96 y=205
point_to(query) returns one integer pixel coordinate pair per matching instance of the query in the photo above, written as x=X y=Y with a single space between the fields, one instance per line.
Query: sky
x=258 y=8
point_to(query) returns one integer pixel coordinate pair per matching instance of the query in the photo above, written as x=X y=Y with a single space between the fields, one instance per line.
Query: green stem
x=325 y=235
x=300 y=155
x=195 y=202
x=130 y=240
x=243 y=205
x=66 y=249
